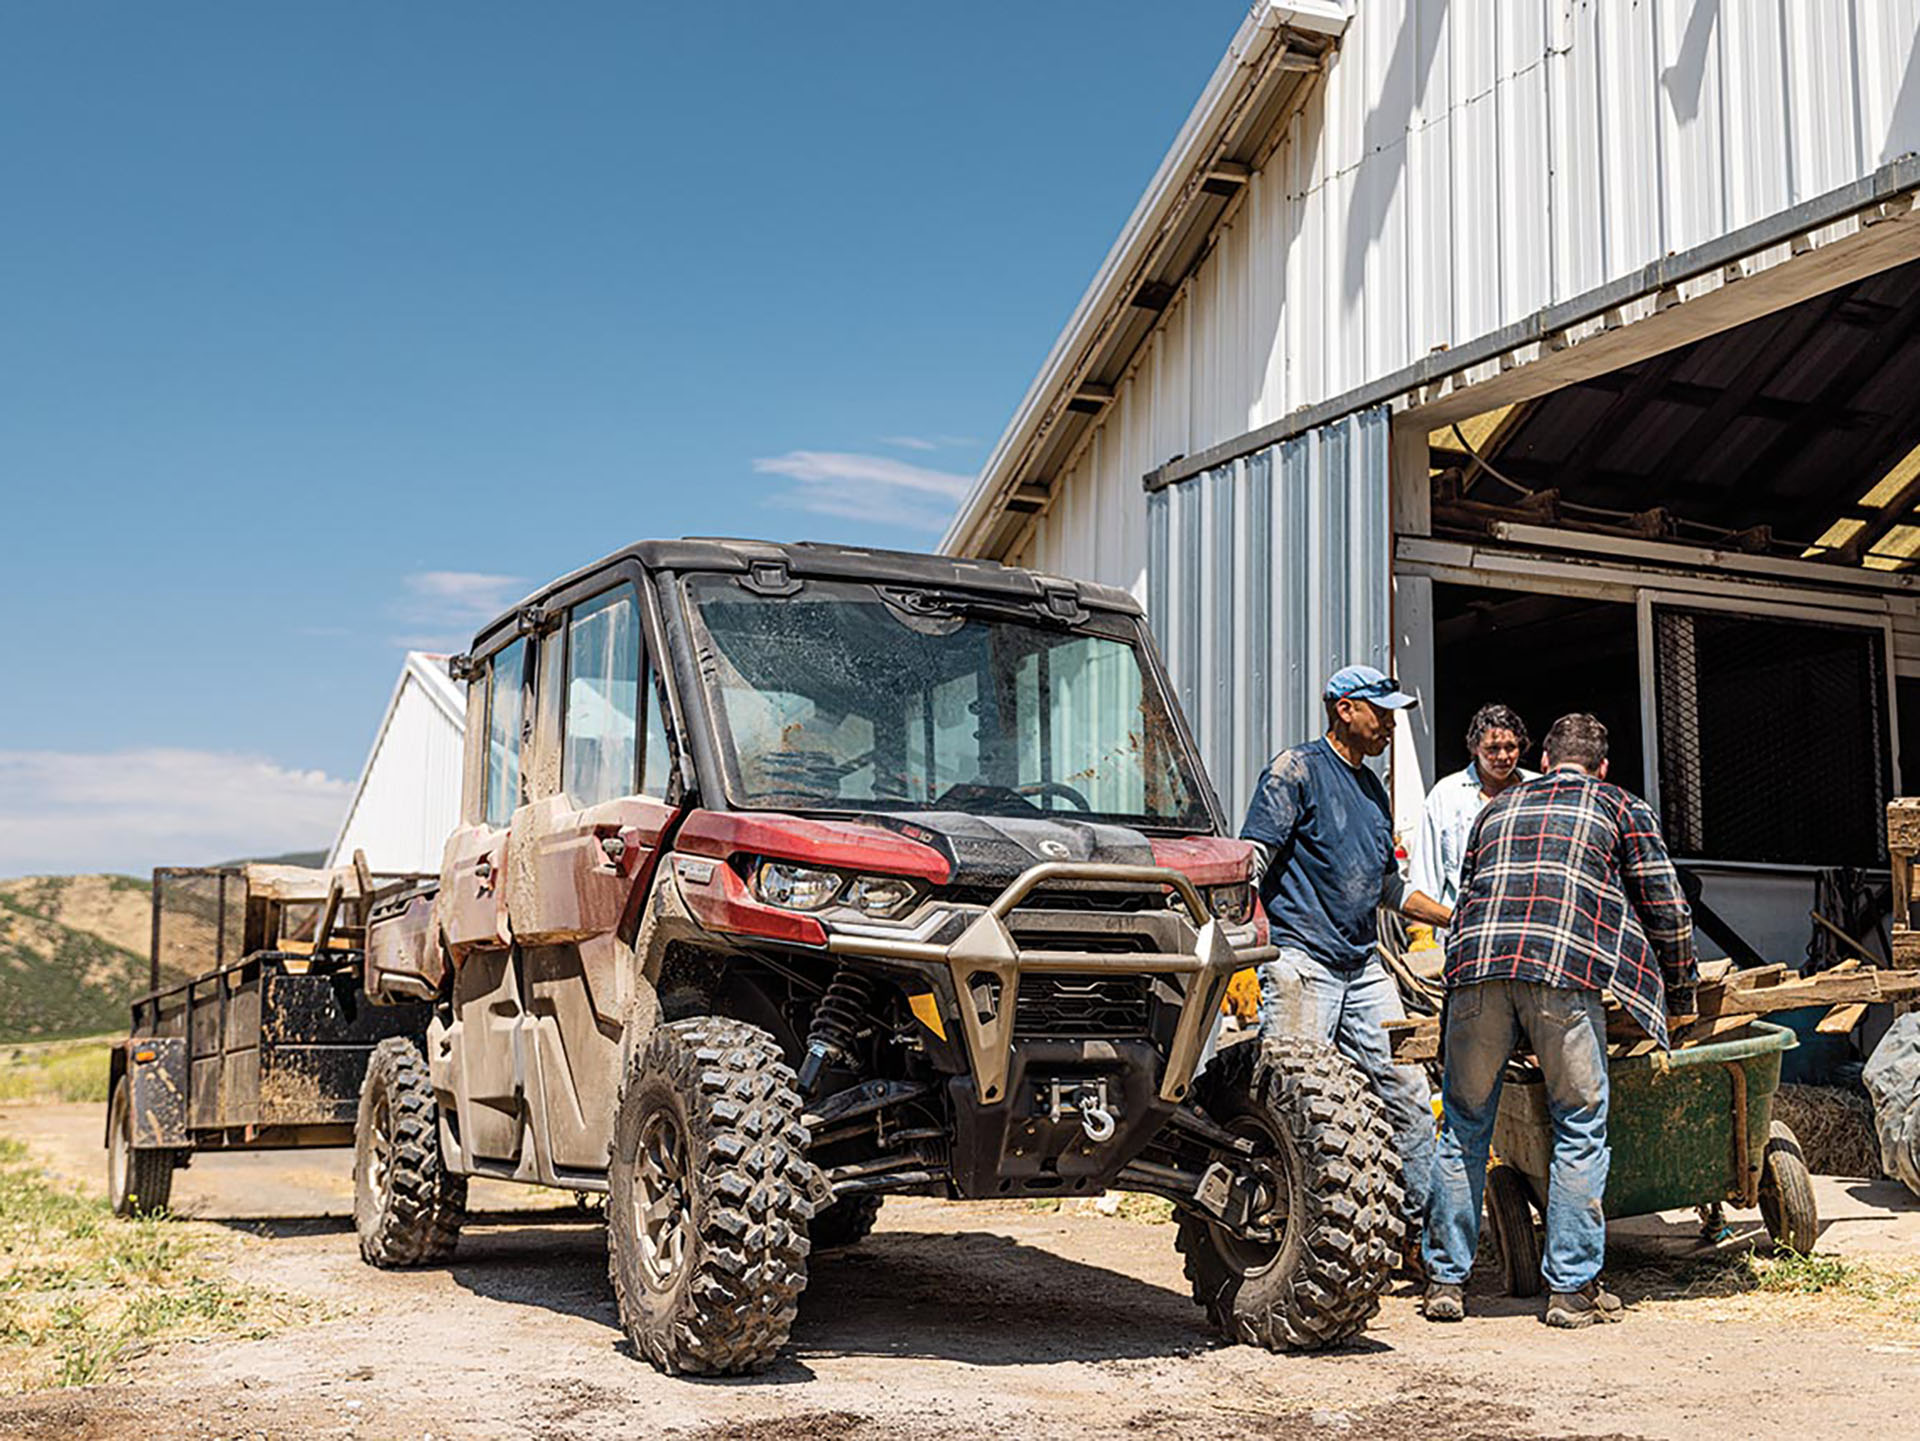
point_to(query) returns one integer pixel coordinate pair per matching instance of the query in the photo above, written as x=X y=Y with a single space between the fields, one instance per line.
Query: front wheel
x=139 y=1178
x=1310 y=1269
x=709 y=1196
x=406 y=1206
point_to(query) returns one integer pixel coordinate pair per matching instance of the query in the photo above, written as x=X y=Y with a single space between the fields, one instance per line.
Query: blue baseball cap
x=1363 y=682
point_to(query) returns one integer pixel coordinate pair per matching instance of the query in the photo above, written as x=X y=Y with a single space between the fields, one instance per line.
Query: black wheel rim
x=1251 y=1255
x=661 y=1206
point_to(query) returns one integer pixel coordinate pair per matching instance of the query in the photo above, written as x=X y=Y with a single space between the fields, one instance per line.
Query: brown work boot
x=1593 y=1304
x=1444 y=1302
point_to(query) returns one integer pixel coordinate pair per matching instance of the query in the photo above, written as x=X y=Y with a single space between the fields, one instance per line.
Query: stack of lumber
x=1903 y=842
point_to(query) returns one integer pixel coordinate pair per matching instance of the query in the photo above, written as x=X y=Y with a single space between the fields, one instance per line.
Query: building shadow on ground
x=974 y=1297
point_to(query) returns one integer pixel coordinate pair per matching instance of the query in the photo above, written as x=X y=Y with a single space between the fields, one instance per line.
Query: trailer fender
x=156 y=1070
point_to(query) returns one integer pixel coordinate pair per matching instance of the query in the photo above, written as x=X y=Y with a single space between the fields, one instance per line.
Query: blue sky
x=328 y=330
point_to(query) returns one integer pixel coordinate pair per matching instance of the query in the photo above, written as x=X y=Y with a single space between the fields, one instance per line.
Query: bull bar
x=987 y=949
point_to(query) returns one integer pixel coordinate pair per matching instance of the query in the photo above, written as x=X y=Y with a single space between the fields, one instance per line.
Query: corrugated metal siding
x=1267 y=575
x=1464 y=164
x=409 y=800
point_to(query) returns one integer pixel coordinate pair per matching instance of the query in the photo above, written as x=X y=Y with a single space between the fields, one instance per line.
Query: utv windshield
x=848 y=696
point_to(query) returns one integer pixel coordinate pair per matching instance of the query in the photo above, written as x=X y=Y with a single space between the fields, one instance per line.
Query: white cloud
x=873 y=488
x=909 y=442
x=64 y=812
x=443 y=608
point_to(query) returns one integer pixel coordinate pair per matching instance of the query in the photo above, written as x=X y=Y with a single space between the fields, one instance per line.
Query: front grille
x=1069 y=1008
x=1110 y=902
x=1094 y=943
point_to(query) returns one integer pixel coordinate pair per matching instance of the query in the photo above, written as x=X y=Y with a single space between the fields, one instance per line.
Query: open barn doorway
x=1543 y=655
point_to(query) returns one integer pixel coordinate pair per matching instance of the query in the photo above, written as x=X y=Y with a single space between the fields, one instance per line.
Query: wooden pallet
x=1903 y=844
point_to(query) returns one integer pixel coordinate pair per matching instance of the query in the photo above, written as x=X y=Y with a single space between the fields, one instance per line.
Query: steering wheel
x=1055 y=788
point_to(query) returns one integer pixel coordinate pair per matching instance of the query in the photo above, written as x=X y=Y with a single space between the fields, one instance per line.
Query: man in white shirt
x=1496 y=739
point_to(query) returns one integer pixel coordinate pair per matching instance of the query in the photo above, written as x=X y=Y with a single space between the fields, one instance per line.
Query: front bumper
x=1194 y=945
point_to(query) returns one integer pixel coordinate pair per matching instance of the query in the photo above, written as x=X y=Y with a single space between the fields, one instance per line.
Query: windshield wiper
x=1059 y=606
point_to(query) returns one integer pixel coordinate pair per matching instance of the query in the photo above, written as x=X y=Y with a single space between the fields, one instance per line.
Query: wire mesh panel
x=199 y=921
x=1774 y=738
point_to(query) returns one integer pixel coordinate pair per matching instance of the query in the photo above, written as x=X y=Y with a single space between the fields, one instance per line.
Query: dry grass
x=55 y=1070
x=1881 y=1296
x=82 y=1292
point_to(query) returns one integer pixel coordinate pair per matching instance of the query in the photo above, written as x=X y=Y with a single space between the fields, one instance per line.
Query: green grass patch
x=56 y=1071
x=82 y=1291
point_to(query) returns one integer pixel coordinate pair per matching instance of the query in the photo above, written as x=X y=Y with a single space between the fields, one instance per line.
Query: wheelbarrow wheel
x=1786 y=1193
x=1510 y=1213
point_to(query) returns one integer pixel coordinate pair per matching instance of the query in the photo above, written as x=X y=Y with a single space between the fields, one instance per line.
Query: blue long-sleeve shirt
x=1329 y=827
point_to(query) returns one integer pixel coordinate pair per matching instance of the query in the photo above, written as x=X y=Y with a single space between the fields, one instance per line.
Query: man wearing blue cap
x=1323 y=831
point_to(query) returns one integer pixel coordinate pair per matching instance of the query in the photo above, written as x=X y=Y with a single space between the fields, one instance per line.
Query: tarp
x=1892 y=1077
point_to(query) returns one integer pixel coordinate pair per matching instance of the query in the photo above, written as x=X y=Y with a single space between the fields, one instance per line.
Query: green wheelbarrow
x=1692 y=1127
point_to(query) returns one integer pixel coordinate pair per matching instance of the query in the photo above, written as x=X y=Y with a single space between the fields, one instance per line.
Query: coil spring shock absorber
x=836 y=1021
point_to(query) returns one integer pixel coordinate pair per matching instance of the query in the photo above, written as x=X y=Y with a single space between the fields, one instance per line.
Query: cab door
x=591 y=835
x=473 y=913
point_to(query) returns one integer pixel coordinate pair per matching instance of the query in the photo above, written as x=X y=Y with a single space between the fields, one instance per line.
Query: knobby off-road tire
x=845 y=1222
x=710 y=1193
x=1510 y=1214
x=139 y=1178
x=1339 y=1194
x=1786 y=1193
x=407 y=1207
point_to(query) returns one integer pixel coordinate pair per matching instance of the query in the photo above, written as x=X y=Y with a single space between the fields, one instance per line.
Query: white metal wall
x=1266 y=576
x=409 y=797
x=1465 y=163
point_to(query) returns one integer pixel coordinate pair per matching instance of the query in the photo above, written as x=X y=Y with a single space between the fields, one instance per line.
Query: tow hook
x=1095 y=1119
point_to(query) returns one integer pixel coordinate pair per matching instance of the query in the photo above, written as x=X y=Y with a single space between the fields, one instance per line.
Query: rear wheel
x=1786 y=1193
x=1310 y=1270
x=1510 y=1213
x=406 y=1206
x=845 y=1222
x=709 y=1196
x=139 y=1178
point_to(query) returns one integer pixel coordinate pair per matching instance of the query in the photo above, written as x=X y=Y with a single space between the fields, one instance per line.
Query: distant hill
x=312 y=859
x=73 y=951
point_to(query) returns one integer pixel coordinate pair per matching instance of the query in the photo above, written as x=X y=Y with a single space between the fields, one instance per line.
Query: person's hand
x=1682 y=1000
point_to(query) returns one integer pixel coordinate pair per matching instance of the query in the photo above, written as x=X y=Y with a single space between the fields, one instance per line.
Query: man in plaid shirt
x=1566 y=890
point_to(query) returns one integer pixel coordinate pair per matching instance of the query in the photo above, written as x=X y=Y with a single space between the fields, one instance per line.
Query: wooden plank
x=1903 y=824
x=1906 y=950
x=1841 y=1019
x=1708 y=1028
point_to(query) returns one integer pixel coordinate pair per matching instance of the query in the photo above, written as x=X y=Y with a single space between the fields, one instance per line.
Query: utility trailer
x=266 y=1047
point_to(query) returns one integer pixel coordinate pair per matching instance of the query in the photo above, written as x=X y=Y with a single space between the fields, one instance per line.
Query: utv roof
x=809 y=560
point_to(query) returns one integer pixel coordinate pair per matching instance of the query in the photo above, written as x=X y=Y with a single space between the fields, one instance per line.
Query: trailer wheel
x=1786 y=1193
x=1334 y=1183
x=845 y=1222
x=709 y=1196
x=407 y=1207
x=1510 y=1213
x=139 y=1178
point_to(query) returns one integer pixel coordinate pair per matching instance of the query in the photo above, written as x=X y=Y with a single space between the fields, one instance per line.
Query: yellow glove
x=1243 y=995
x=1420 y=937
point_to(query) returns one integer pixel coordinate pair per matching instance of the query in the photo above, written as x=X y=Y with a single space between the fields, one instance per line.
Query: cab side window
x=600 y=752
x=506 y=731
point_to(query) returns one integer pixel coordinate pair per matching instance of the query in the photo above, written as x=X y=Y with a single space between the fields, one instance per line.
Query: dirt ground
x=952 y=1321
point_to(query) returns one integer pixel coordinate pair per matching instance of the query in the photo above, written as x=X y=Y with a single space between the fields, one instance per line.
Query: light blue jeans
x=1567 y=1030
x=1348 y=1009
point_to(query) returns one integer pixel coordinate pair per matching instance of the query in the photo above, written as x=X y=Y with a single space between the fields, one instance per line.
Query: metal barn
x=1561 y=352
x=408 y=800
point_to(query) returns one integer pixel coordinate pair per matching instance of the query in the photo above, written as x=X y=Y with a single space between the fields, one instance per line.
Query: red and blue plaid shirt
x=1566 y=882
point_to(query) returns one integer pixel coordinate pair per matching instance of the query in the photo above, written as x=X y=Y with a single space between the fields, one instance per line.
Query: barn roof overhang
x=1233 y=128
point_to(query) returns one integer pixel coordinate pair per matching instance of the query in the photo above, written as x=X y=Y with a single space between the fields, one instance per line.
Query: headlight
x=795 y=888
x=1230 y=903
x=882 y=897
